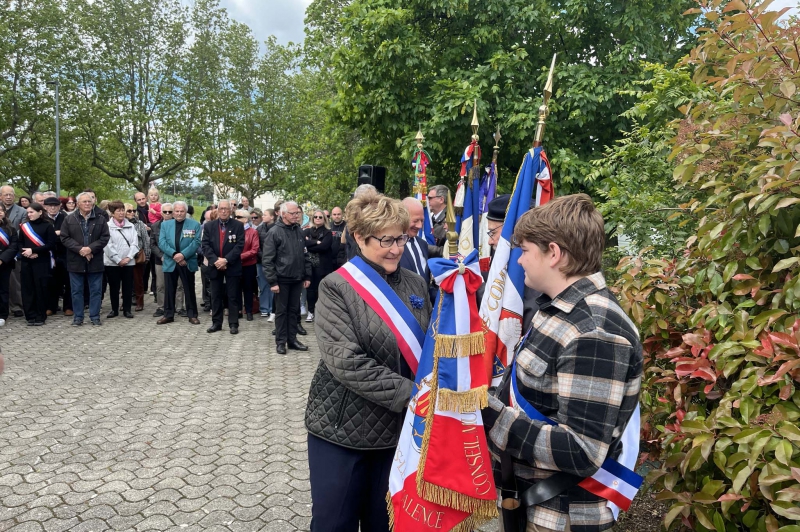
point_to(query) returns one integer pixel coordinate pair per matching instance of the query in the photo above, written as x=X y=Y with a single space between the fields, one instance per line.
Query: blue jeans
x=95 y=280
x=264 y=293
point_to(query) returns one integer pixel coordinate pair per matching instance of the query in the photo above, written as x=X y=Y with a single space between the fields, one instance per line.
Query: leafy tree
x=721 y=330
x=402 y=63
x=133 y=83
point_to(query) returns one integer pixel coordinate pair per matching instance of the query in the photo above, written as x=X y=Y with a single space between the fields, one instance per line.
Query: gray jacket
x=362 y=385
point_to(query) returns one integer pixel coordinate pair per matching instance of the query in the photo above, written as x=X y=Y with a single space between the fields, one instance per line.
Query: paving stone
x=98 y=436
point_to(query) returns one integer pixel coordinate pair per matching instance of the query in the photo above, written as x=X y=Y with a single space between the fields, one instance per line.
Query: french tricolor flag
x=501 y=307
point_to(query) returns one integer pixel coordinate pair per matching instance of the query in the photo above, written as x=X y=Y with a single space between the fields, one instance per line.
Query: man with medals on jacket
x=178 y=241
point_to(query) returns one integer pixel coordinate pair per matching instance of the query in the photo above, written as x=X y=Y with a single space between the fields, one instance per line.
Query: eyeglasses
x=241 y=217
x=70 y=202
x=254 y=216
x=166 y=212
x=389 y=241
x=318 y=218
x=492 y=232
x=129 y=211
x=296 y=213
x=433 y=197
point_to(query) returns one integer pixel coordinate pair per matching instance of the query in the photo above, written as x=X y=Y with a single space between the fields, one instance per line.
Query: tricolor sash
x=380 y=297
x=615 y=481
x=36 y=239
x=4 y=238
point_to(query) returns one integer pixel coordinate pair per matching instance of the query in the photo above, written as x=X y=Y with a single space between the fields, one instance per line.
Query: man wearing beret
x=59 y=281
x=496 y=217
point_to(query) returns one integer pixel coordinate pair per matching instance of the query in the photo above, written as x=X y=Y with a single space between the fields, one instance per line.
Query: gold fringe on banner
x=390 y=507
x=479 y=508
x=459 y=345
x=462 y=402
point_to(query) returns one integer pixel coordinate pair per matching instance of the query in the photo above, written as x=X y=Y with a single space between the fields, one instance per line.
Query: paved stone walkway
x=130 y=426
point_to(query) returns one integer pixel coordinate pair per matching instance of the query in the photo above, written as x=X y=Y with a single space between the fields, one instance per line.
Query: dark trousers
x=312 y=292
x=180 y=274
x=5 y=291
x=206 y=282
x=59 y=287
x=225 y=289
x=149 y=275
x=120 y=275
x=348 y=487
x=249 y=287
x=34 y=278
x=138 y=283
x=287 y=311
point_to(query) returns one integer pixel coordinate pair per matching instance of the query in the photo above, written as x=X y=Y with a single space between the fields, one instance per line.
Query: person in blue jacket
x=179 y=240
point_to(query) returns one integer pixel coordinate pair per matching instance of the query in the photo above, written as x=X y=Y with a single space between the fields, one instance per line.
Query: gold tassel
x=461 y=402
x=390 y=508
x=459 y=345
x=426 y=438
x=452 y=499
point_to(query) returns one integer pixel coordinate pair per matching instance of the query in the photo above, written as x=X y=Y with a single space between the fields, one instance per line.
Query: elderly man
x=179 y=240
x=15 y=215
x=288 y=270
x=59 y=280
x=246 y=205
x=38 y=197
x=415 y=254
x=437 y=201
x=222 y=246
x=265 y=295
x=157 y=257
x=85 y=234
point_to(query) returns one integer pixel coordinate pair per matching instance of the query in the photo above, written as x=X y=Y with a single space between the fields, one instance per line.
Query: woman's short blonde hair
x=129 y=207
x=372 y=212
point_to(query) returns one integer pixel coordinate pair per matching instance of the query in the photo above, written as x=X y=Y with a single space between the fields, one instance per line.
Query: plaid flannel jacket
x=581 y=366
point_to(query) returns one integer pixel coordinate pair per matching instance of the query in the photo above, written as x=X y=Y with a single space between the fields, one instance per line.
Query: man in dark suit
x=223 y=243
x=416 y=252
x=437 y=203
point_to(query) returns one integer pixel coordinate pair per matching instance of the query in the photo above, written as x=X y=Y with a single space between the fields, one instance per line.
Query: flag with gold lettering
x=408 y=511
x=455 y=466
x=501 y=307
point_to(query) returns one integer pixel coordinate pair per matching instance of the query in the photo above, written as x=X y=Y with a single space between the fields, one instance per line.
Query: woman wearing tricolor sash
x=37 y=241
x=563 y=425
x=370 y=324
x=9 y=247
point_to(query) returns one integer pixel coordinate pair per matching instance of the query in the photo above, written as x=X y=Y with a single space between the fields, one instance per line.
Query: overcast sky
x=281 y=18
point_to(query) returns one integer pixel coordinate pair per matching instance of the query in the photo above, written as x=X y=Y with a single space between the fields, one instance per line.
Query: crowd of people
x=69 y=254
x=361 y=280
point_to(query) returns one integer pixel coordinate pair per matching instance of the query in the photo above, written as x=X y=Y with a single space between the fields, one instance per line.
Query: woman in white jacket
x=119 y=257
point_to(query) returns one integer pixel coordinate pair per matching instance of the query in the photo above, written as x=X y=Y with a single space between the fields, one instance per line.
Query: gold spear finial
x=496 y=135
x=420 y=138
x=475 y=123
x=548 y=92
x=450 y=219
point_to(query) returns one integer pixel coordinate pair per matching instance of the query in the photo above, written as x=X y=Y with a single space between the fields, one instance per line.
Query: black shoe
x=234 y=330
x=297 y=346
x=301 y=331
x=112 y=314
x=18 y=313
x=206 y=308
x=214 y=328
x=281 y=349
x=273 y=332
x=38 y=323
x=182 y=313
x=249 y=317
x=127 y=315
x=76 y=323
x=158 y=313
x=31 y=323
x=97 y=322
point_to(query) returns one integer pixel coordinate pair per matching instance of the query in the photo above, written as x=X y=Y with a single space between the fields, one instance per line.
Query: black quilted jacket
x=362 y=385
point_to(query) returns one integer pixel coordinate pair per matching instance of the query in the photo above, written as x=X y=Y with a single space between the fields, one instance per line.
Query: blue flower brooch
x=416 y=301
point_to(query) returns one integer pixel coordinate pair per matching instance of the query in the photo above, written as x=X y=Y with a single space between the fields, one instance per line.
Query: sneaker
x=271 y=318
x=310 y=317
x=158 y=313
x=303 y=310
x=182 y=313
x=97 y=322
x=77 y=323
x=265 y=314
x=2 y=322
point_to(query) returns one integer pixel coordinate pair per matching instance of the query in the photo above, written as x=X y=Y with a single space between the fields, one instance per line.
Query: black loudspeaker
x=372 y=175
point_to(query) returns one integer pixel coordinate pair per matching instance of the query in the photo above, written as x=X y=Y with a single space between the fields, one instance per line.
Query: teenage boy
x=580 y=365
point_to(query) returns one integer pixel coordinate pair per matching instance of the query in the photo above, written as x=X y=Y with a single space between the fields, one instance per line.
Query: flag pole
x=420 y=174
x=543 y=109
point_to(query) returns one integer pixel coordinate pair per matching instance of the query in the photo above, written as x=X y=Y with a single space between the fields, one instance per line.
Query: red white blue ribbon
x=615 y=481
x=380 y=297
x=36 y=239
x=4 y=239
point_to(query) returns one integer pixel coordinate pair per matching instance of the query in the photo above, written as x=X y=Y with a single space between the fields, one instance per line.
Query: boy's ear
x=557 y=256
